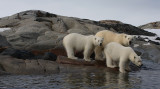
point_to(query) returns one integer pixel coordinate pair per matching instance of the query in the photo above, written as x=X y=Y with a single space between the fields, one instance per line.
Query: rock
x=4 y=42
x=65 y=60
x=125 y=28
x=95 y=63
x=24 y=54
x=49 y=56
x=40 y=30
x=110 y=22
x=19 y=66
x=154 y=42
x=2 y=49
x=158 y=38
x=57 y=51
x=59 y=25
x=3 y=73
x=10 y=65
x=20 y=54
x=152 y=25
x=149 y=51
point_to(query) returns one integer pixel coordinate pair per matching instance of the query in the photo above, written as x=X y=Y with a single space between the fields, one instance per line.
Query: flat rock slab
x=10 y=65
x=20 y=66
x=65 y=60
x=94 y=63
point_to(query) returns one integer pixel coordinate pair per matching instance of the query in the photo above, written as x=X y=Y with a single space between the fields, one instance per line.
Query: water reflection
x=106 y=79
x=85 y=80
x=147 y=78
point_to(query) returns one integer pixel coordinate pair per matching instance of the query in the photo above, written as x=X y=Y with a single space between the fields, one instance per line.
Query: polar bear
x=110 y=36
x=118 y=55
x=75 y=42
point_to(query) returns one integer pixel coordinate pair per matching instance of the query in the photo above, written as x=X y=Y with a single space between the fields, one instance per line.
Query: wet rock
x=20 y=54
x=24 y=54
x=19 y=66
x=149 y=51
x=57 y=51
x=2 y=49
x=157 y=43
x=12 y=65
x=65 y=60
x=49 y=56
x=158 y=38
x=94 y=63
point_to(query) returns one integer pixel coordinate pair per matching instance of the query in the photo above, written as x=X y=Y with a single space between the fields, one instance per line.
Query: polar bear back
x=77 y=41
x=109 y=36
x=116 y=51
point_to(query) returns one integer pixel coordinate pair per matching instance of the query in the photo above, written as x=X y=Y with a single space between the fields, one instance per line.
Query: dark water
x=147 y=78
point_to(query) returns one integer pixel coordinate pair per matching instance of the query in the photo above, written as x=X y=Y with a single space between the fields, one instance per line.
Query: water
x=146 y=78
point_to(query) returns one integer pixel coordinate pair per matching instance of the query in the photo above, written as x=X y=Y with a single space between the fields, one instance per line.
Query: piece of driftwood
x=65 y=60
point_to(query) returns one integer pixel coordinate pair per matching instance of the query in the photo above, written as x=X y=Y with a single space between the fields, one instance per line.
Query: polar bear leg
x=70 y=53
x=109 y=61
x=114 y=63
x=122 y=65
x=127 y=67
x=98 y=53
x=87 y=53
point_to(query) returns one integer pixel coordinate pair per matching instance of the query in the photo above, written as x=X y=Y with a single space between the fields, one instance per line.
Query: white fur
x=110 y=36
x=118 y=55
x=75 y=42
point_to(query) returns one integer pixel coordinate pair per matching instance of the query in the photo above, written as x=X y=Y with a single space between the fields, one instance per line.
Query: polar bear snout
x=141 y=65
x=130 y=42
x=100 y=44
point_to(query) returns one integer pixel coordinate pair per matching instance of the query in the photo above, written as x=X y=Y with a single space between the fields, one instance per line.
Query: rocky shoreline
x=33 y=42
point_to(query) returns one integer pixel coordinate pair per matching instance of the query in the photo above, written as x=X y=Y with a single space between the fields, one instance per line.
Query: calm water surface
x=147 y=78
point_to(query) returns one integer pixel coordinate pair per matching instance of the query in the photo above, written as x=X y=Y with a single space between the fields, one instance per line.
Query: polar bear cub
x=75 y=42
x=110 y=36
x=118 y=55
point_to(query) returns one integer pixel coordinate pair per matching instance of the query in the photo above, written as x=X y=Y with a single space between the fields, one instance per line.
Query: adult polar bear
x=110 y=36
x=118 y=54
x=76 y=42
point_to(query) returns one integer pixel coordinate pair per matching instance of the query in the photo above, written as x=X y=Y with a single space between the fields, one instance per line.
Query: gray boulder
x=152 y=25
x=148 y=50
x=18 y=66
x=4 y=42
x=40 y=30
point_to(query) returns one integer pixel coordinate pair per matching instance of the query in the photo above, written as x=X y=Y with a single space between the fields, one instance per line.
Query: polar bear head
x=127 y=39
x=98 y=41
x=136 y=59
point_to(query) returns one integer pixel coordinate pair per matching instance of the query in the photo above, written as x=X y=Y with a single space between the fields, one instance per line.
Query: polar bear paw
x=128 y=69
x=122 y=71
x=88 y=59
x=111 y=66
x=73 y=57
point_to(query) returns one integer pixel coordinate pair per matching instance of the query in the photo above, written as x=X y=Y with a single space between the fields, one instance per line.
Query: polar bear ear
x=139 y=57
x=125 y=36
x=95 y=38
